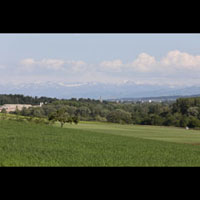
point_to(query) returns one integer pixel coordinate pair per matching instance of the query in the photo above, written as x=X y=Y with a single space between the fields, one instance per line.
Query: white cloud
x=77 y=66
x=27 y=64
x=143 y=63
x=115 y=65
x=52 y=64
x=181 y=60
x=28 y=61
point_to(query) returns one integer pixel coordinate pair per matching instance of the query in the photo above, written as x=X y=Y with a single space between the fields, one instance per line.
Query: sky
x=142 y=58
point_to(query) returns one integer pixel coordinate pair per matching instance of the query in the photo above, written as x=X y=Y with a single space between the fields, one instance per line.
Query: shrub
x=75 y=119
x=183 y=121
x=119 y=116
x=193 y=122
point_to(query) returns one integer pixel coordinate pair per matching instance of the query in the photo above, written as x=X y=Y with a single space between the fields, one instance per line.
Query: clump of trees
x=119 y=116
x=63 y=117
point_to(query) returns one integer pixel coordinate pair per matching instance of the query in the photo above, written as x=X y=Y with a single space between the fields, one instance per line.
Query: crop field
x=96 y=144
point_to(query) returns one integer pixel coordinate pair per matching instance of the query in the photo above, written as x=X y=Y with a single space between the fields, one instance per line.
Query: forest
x=181 y=113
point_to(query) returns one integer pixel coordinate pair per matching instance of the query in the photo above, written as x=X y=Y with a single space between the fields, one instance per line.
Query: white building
x=13 y=107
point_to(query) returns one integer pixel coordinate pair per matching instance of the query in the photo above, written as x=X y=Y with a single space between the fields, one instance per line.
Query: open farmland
x=97 y=144
x=162 y=133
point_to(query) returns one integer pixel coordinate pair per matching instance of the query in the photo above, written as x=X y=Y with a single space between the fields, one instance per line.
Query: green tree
x=75 y=119
x=183 y=121
x=193 y=111
x=193 y=122
x=69 y=120
x=61 y=116
x=156 y=120
x=136 y=118
x=84 y=111
x=100 y=119
x=4 y=111
x=25 y=111
x=119 y=116
x=170 y=120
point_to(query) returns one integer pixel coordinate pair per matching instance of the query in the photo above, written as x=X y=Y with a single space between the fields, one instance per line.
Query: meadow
x=96 y=144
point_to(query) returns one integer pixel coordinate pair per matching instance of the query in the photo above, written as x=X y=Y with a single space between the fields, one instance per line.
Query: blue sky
x=149 y=58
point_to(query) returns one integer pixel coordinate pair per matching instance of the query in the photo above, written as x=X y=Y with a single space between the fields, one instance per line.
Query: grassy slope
x=162 y=133
x=24 y=144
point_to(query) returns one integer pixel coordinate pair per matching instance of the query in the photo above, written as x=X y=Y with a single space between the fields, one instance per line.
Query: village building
x=13 y=107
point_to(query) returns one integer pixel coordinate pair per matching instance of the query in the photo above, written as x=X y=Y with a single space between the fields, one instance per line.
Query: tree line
x=181 y=113
x=21 y=99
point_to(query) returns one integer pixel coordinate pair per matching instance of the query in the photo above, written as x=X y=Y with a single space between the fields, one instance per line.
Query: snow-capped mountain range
x=95 y=90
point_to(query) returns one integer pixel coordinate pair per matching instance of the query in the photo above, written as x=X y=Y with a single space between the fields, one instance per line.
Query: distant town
x=159 y=99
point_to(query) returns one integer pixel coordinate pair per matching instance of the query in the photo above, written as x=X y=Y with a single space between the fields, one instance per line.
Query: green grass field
x=97 y=144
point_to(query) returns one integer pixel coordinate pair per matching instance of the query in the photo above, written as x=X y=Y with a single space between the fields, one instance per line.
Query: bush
x=75 y=119
x=3 y=111
x=100 y=119
x=119 y=116
x=170 y=120
x=193 y=122
x=183 y=121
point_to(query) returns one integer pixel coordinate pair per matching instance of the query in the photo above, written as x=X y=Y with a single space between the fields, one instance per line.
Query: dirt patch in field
x=195 y=143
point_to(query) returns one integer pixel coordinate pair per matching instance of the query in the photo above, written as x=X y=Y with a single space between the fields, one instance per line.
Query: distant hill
x=94 y=90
